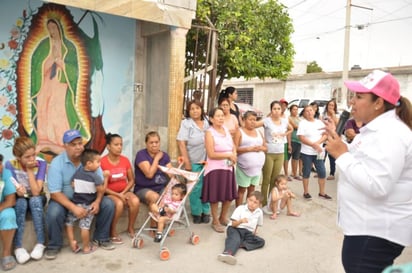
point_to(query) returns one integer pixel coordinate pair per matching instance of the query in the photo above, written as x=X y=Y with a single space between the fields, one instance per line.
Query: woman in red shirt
x=121 y=181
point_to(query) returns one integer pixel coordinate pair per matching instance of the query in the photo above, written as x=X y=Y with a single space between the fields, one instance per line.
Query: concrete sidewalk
x=308 y=244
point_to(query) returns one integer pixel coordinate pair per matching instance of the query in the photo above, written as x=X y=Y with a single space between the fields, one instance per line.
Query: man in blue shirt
x=60 y=173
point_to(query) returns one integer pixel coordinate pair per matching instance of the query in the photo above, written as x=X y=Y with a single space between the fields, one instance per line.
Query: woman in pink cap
x=374 y=188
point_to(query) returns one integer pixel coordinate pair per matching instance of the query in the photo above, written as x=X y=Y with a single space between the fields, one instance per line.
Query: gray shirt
x=195 y=139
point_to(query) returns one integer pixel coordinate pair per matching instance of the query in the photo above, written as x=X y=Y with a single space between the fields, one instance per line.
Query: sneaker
x=267 y=210
x=307 y=196
x=51 y=253
x=158 y=237
x=205 y=218
x=290 y=178
x=298 y=177
x=227 y=258
x=37 y=252
x=106 y=245
x=330 y=177
x=325 y=196
x=22 y=256
x=197 y=219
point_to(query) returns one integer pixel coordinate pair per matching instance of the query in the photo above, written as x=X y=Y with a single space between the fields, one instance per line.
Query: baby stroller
x=180 y=219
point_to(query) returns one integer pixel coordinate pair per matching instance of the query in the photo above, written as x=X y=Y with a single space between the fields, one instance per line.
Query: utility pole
x=346 y=53
x=345 y=69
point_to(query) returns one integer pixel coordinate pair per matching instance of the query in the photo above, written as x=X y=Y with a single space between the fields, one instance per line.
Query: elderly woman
x=190 y=140
x=149 y=179
x=374 y=187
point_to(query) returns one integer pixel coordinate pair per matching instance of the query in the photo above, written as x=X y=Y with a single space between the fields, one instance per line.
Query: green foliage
x=253 y=38
x=313 y=67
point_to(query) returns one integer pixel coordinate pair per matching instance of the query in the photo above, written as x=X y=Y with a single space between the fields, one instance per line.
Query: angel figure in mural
x=55 y=90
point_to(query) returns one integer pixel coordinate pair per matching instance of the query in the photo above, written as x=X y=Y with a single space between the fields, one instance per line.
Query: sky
x=380 y=32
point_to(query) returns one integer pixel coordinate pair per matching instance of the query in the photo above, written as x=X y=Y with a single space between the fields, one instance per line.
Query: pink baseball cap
x=380 y=83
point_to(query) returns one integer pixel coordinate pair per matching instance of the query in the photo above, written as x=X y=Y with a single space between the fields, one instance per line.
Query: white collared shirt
x=375 y=181
x=255 y=218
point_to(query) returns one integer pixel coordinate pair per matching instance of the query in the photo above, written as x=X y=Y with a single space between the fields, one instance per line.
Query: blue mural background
x=117 y=37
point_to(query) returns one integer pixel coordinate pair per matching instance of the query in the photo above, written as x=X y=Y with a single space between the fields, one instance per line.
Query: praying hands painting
x=59 y=81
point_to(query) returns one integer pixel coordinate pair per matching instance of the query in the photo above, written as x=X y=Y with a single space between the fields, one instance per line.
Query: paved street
x=308 y=244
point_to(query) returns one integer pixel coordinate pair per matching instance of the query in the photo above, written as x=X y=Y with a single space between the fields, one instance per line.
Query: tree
x=253 y=39
x=313 y=67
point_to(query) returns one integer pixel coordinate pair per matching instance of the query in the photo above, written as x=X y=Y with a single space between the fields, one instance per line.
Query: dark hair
x=198 y=103
x=303 y=110
x=292 y=106
x=249 y=113
x=182 y=187
x=257 y=194
x=403 y=109
x=221 y=100
x=88 y=155
x=326 y=106
x=151 y=134
x=273 y=103
x=313 y=103
x=109 y=137
x=226 y=92
x=212 y=113
x=1 y=158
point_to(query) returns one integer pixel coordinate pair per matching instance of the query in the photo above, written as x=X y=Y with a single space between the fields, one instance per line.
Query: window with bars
x=245 y=95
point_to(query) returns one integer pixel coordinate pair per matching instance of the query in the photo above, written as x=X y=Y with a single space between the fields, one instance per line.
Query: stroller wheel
x=137 y=242
x=164 y=254
x=194 y=239
x=172 y=233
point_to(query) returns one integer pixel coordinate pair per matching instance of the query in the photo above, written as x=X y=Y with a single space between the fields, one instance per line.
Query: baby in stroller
x=168 y=207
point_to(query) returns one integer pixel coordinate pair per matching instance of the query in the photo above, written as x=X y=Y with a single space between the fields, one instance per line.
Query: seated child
x=168 y=207
x=241 y=231
x=88 y=192
x=281 y=197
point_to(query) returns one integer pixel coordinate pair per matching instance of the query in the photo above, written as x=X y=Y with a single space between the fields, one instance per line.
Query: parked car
x=243 y=107
x=301 y=103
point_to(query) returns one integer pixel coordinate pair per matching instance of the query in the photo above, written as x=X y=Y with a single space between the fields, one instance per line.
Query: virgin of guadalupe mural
x=54 y=74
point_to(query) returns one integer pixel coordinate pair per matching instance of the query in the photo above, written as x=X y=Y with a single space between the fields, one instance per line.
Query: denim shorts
x=310 y=160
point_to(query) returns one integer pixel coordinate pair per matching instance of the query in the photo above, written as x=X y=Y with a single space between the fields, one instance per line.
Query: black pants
x=368 y=254
x=241 y=237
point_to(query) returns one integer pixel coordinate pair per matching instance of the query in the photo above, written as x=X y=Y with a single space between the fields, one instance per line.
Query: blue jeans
x=332 y=165
x=368 y=254
x=35 y=204
x=56 y=215
x=308 y=161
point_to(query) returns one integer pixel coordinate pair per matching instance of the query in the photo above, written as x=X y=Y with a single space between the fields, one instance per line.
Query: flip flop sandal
x=116 y=240
x=92 y=249
x=8 y=263
x=218 y=228
x=77 y=249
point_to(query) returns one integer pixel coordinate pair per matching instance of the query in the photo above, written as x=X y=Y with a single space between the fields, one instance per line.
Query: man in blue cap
x=59 y=181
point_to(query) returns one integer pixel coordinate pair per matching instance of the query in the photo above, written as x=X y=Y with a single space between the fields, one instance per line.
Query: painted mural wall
x=63 y=68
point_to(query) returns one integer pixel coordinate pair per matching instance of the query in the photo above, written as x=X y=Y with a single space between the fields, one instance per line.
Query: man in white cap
x=59 y=180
